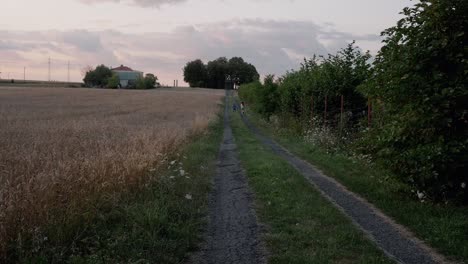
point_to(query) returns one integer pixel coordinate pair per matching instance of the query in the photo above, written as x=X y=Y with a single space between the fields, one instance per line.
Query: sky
x=161 y=36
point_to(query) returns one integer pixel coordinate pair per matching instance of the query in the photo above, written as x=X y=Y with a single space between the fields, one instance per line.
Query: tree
x=150 y=80
x=113 y=82
x=98 y=77
x=242 y=71
x=140 y=84
x=195 y=73
x=267 y=97
x=85 y=70
x=420 y=79
x=217 y=72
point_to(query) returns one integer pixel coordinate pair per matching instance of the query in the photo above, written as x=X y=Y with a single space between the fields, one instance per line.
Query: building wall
x=127 y=77
x=123 y=83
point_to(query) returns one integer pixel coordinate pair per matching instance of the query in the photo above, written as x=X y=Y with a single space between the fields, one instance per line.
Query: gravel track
x=397 y=242
x=233 y=234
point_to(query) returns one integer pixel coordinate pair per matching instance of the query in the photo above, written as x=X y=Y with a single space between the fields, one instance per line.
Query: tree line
x=219 y=73
x=103 y=77
x=416 y=88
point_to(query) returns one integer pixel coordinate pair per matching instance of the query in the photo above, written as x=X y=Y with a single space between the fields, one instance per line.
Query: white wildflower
x=173 y=162
x=463 y=185
x=188 y=196
x=420 y=195
x=172 y=177
x=182 y=172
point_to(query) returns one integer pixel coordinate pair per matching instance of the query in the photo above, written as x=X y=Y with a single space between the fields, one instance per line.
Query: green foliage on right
x=417 y=86
x=420 y=79
x=291 y=95
x=264 y=95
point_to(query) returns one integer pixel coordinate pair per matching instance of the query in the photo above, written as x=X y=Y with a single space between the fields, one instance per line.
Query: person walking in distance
x=243 y=107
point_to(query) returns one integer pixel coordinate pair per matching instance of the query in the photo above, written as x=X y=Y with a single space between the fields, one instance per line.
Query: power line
x=68 y=73
x=49 y=69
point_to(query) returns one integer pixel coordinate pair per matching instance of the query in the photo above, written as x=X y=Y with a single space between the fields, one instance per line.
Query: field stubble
x=62 y=149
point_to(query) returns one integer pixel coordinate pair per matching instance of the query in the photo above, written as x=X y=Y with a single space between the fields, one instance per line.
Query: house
x=127 y=76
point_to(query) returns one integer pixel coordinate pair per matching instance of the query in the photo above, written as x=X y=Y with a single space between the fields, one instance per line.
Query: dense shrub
x=263 y=98
x=113 y=82
x=140 y=84
x=147 y=82
x=150 y=81
x=291 y=96
x=417 y=87
x=98 y=76
x=420 y=82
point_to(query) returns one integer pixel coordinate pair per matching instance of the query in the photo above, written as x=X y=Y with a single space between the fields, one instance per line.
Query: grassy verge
x=445 y=227
x=303 y=227
x=156 y=223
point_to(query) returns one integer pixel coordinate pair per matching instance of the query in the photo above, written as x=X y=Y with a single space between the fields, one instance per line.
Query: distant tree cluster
x=98 y=77
x=217 y=73
x=148 y=82
x=103 y=77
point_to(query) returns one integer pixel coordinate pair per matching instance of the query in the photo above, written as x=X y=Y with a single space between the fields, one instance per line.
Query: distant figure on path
x=234 y=107
x=243 y=107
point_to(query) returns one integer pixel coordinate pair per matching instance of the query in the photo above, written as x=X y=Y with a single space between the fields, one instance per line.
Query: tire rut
x=233 y=233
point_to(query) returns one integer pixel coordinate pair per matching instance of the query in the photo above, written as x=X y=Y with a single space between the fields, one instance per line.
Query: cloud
x=272 y=46
x=83 y=40
x=143 y=3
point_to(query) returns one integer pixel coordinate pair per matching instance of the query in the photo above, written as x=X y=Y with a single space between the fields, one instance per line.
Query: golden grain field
x=59 y=148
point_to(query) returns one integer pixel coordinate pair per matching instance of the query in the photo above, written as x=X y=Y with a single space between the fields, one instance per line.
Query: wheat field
x=61 y=148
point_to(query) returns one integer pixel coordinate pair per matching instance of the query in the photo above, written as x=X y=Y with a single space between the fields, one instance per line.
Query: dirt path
x=397 y=242
x=233 y=232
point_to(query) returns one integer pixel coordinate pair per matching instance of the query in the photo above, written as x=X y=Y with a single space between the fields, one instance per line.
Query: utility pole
x=68 y=73
x=49 y=69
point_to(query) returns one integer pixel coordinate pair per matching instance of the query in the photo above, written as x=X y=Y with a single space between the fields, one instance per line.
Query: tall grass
x=62 y=151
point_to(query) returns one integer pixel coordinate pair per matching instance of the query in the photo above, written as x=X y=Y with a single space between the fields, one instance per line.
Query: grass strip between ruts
x=301 y=225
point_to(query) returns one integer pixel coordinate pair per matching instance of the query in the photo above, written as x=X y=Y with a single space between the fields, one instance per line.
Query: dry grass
x=62 y=148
